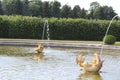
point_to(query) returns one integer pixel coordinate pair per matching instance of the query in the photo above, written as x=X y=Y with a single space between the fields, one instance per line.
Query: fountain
x=19 y=63
x=40 y=47
x=107 y=33
x=58 y=65
x=97 y=63
x=46 y=25
x=95 y=66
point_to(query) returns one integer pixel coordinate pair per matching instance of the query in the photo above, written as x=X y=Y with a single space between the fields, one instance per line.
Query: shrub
x=109 y=39
x=60 y=29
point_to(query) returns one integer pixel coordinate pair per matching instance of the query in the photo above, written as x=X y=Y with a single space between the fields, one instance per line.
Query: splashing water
x=46 y=28
x=46 y=25
x=107 y=33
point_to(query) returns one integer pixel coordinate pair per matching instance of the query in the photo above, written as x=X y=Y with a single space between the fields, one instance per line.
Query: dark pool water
x=22 y=63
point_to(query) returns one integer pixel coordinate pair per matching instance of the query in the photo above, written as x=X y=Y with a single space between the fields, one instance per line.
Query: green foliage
x=94 y=5
x=46 y=9
x=12 y=7
x=66 y=11
x=60 y=29
x=76 y=11
x=109 y=39
x=4 y=28
x=35 y=7
x=21 y=27
x=49 y=9
x=83 y=13
x=1 y=10
x=55 y=9
x=104 y=12
x=25 y=8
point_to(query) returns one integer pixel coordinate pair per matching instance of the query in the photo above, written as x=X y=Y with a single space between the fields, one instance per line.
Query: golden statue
x=40 y=47
x=95 y=66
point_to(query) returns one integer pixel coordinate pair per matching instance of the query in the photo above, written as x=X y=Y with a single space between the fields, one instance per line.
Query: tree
x=66 y=11
x=98 y=13
x=11 y=7
x=90 y=15
x=18 y=7
x=1 y=10
x=25 y=8
x=104 y=12
x=111 y=13
x=35 y=8
x=83 y=13
x=55 y=9
x=45 y=9
x=93 y=6
x=4 y=5
x=76 y=11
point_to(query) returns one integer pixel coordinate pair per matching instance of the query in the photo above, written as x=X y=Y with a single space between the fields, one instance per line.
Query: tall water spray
x=107 y=33
x=46 y=26
x=46 y=31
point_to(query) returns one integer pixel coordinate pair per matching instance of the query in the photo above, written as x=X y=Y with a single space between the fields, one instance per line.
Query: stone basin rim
x=57 y=44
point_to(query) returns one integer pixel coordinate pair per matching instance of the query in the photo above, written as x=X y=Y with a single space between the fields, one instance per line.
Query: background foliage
x=109 y=39
x=60 y=29
x=49 y=9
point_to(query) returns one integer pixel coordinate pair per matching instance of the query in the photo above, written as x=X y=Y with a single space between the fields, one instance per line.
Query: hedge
x=60 y=29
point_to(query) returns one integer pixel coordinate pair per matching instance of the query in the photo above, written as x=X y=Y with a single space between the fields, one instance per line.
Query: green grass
x=117 y=43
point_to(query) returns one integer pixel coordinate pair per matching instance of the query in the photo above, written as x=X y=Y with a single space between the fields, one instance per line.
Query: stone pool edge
x=59 y=44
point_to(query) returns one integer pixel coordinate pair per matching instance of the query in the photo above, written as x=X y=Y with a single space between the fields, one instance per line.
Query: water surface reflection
x=22 y=63
x=89 y=76
x=38 y=56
